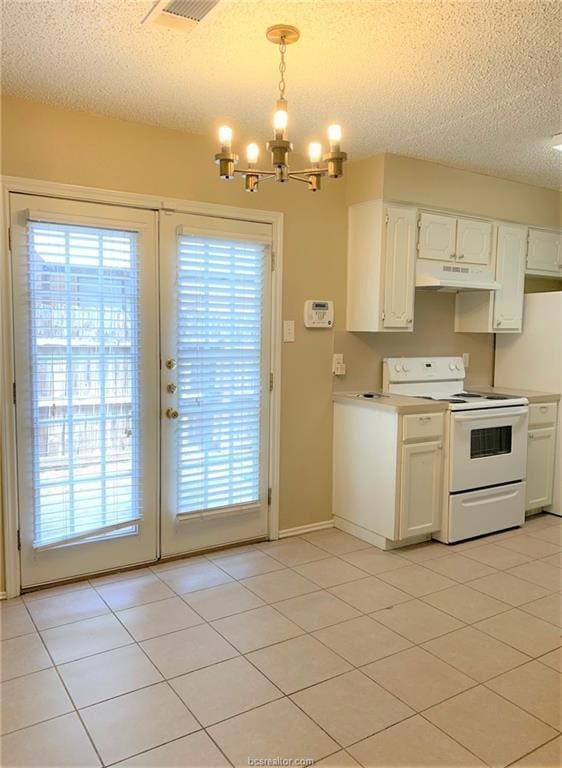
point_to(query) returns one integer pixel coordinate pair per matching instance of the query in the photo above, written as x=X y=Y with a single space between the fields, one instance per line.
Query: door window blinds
x=84 y=342
x=219 y=299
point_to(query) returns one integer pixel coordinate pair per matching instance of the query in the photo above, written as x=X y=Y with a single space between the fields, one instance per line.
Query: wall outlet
x=288 y=330
x=466 y=359
x=338 y=365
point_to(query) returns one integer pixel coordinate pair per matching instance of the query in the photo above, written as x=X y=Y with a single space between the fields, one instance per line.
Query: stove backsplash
x=433 y=335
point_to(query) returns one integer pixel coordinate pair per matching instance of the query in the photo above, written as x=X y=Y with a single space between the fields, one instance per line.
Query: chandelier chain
x=282 y=68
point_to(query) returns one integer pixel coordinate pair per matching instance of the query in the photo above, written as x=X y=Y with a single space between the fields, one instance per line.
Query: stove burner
x=467 y=394
x=453 y=399
x=497 y=397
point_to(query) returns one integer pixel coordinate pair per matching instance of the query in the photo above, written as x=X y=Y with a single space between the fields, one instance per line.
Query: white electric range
x=486 y=441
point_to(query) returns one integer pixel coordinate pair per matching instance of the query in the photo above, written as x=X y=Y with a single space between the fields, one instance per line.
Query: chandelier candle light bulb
x=252 y=153
x=225 y=138
x=280 y=147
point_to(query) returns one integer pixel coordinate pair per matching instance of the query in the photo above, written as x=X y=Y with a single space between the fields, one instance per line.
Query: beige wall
x=433 y=335
x=432 y=184
x=43 y=142
x=534 y=284
x=54 y=144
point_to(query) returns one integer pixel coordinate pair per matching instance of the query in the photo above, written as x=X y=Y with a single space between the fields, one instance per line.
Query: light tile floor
x=319 y=647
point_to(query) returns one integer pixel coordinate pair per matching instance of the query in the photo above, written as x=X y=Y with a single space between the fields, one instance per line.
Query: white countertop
x=399 y=403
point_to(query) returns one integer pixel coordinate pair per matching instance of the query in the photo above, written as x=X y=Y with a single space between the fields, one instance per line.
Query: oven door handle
x=507 y=414
x=499 y=495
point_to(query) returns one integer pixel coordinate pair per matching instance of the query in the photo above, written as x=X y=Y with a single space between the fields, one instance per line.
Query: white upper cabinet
x=451 y=238
x=381 y=266
x=498 y=311
x=399 y=268
x=474 y=241
x=510 y=273
x=437 y=237
x=544 y=256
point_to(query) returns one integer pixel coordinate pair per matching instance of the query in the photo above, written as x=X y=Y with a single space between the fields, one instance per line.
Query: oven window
x=490 y=441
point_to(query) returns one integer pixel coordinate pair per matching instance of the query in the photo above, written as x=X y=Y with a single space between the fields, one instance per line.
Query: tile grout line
x=174 y=692
x=517 y=759
x=55 y=667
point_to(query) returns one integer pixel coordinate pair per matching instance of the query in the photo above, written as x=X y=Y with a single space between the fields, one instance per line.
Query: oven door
x=488 y=447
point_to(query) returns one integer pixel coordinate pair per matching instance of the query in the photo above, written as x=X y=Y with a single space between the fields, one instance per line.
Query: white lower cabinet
x=388 y=472
x=540 y=467
x=421 y=478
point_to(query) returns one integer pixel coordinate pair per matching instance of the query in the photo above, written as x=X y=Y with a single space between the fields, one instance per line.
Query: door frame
x=8 y=466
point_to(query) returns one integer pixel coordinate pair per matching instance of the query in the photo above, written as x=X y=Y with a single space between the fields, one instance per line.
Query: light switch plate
x=288 y=330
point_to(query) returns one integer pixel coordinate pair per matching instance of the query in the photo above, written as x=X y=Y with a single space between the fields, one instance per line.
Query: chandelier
x=282 y=35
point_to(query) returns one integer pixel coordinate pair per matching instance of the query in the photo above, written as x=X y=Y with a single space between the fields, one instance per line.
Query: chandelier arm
x=312 y=172
x=254 y=172
x=266 y=177
x=297 y=178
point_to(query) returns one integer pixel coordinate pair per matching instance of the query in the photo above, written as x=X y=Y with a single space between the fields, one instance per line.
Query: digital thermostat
x=318 y=314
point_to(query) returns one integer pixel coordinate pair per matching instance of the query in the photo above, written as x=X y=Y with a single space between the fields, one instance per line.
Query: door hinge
x=269 y=497
x=271 y=382
x=19 y=540
x=386 y=218
x=10 y=239
x=383 y=315
x=273 y=261
x=14 y=393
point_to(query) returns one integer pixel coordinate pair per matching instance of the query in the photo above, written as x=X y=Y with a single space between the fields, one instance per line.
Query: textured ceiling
x=473 y=83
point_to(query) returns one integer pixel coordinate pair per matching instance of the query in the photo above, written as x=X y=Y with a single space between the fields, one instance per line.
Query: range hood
x=434 y=276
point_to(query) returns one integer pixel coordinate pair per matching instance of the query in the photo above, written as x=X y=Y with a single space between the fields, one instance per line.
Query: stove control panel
x=406 y=369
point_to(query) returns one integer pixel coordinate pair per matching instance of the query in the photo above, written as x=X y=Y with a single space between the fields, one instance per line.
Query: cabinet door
x=474 y=241
x=421 y=490
x=437 y=237
x=540 y=467
x=400 y=268
x=510 y=272
x=544 y=257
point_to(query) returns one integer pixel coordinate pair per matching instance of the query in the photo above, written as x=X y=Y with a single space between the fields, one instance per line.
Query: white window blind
x=220 y=287
x=84 y=341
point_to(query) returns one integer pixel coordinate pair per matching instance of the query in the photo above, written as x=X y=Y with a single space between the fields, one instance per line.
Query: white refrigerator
x=533 y=360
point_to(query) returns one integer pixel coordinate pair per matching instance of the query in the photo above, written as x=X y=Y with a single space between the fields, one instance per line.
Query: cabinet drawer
x=542 y=413
x=421 y=426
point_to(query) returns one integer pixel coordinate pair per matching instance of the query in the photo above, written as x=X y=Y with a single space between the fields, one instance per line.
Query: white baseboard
x=300 y=529
x=374 y=538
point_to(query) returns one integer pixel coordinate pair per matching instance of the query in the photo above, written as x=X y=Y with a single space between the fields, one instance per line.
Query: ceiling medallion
x=282 y=35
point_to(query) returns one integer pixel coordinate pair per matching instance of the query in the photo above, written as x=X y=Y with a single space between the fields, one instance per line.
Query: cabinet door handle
x=543 y=409
x=439 y=446
x=452 y=256
x=425 y=418
x=460 y=256
x=409 y=320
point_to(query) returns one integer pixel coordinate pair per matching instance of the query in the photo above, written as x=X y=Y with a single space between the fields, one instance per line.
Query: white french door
x=215 y=278
x=86 y=359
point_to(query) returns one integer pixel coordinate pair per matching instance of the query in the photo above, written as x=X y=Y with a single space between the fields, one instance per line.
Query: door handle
x=171 y=413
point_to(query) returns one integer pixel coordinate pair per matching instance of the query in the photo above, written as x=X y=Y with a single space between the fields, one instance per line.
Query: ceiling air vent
x=182 y=15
